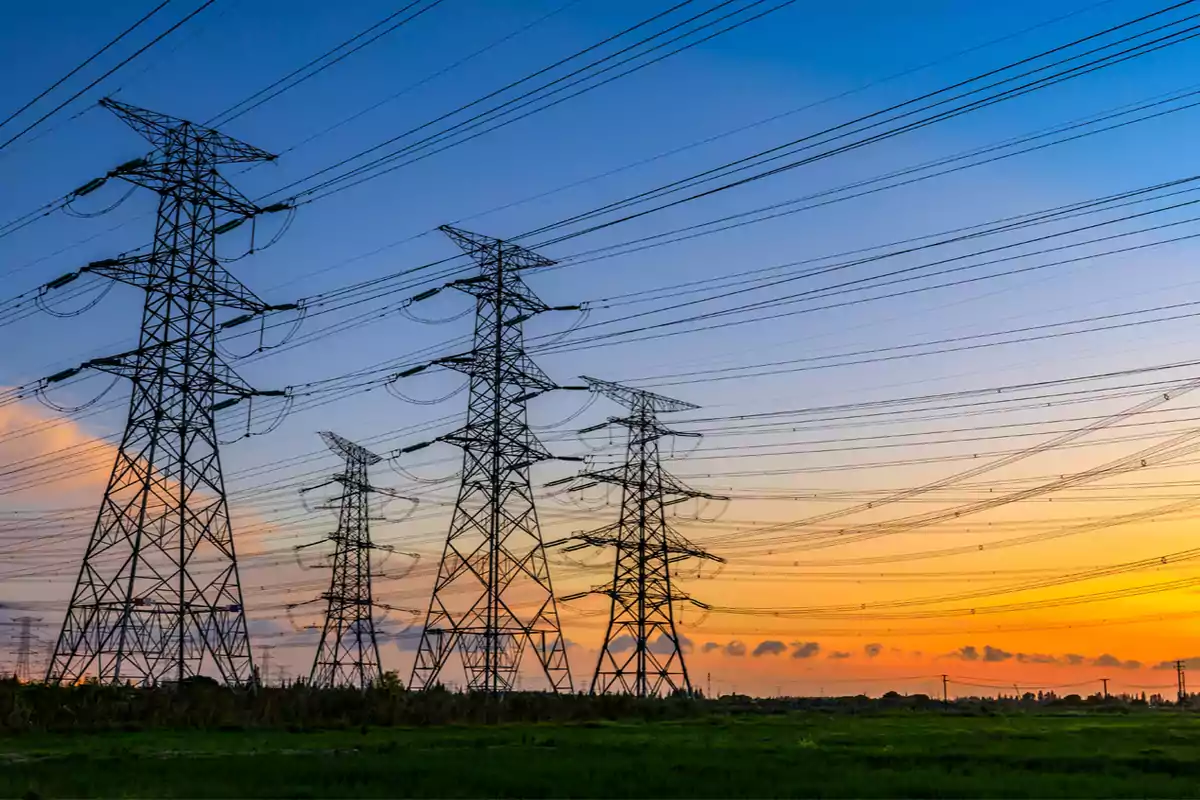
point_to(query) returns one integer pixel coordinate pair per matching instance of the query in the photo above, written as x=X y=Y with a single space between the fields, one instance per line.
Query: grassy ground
x=914 y=755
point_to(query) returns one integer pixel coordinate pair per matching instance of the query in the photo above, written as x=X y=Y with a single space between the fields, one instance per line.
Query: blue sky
x=827 y=63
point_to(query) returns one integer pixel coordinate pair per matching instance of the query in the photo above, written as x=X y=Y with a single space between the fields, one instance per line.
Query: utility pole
x=492 y=597
x=348 y=653
x=1181 y=680
x=158 y=596
x=642 y=596
x=945 y=690
x=708 y=685
x=1105 y=682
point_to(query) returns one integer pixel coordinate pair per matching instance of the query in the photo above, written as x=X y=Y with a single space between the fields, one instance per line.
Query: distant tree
x=390 y=681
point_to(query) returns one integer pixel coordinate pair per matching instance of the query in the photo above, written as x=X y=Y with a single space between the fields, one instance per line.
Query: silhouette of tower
x=158 y=596
x=493 y=597
x=348 y=654
x=641 y=653
x=23 y=671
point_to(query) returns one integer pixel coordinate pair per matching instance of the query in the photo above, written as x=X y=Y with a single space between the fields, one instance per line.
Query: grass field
x=912 y=755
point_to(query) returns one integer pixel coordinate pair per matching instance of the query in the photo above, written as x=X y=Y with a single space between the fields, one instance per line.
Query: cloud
x=1188 y=663
x=1037 y=658
x=967 y=653
x=621 y=644
x=872 y=649
x=32 y=431
x=995 y=654
x=1109 y=660
x=805 y=649
x=769 y=648
x=660 y=646
x=735 y=648
x=406 y=640
x=663 y=645
x=1074 y=659
x=838 y=655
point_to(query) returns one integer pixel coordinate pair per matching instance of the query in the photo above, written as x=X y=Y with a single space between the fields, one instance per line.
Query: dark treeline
x=35 y=707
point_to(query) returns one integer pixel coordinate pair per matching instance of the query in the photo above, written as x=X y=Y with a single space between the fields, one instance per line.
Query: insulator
x=130 y=166
x=232 y=401
x=62 y=280
x=412 y=448
x=274 y=208
x=104 y=263
x=244 y=318
x=425 y=295
x=226 y=227
x=412 y=371
x=89 y=187
x=62 y=376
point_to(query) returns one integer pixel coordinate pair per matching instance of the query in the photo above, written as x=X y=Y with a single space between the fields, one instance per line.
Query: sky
x=985 y=372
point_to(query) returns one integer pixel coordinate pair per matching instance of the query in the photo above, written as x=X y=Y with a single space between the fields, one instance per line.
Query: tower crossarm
x=348 y=449
x=672 y=490
x=522 y=373
x=484 y=249
x=633 y=398
x=158 y=129
x=142 y=271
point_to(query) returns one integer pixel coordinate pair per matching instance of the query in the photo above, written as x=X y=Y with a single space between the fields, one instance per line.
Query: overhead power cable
x=84 y=64
x=111 y=71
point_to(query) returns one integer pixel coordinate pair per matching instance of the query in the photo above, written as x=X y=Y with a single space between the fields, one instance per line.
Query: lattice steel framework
x=493 y=595
x=348 y=653
x=158 y=596
x=23 y=671
x=641 y=654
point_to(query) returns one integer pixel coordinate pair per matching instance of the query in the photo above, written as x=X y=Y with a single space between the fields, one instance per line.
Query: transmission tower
x=158 y=596
x=348 y=654
x=493 y=596
x=24 y=669
x=641 y=654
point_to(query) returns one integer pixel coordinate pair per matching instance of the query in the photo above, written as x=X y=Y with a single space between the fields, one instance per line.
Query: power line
x=107 y=74
x=83 y=65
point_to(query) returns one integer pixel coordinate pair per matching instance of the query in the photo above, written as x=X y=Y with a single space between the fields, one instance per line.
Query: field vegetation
x=204 y=741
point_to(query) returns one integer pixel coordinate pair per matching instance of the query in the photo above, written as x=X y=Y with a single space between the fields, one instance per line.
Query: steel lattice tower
x=23 y=671
x=493 y=596
x=641 y=654
x=158 y=596
x=348 y=654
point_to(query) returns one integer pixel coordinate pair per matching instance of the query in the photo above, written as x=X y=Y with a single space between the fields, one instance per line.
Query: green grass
x=909 y=755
